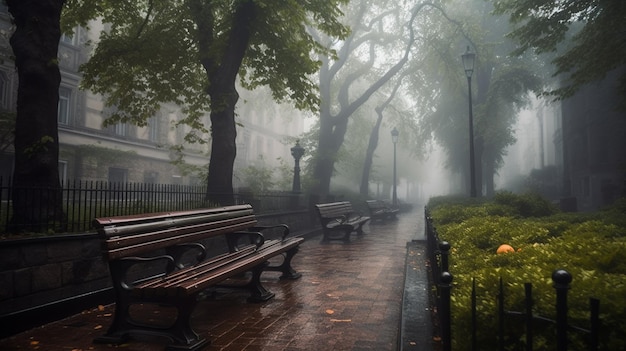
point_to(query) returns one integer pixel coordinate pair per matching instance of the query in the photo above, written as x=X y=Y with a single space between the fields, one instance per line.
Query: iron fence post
x=561 y=279
x=445 y=287
x=444 y=249
x=594 y=338
x=500 y=315
x=528 y=315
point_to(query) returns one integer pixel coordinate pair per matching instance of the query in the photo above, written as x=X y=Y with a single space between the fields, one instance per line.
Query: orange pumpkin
x=504 y=248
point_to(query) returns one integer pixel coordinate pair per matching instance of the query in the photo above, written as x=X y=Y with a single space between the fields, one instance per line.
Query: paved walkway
x=350 y=297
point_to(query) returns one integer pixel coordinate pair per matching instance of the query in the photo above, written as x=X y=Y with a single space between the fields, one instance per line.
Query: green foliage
x=592 y=247
x=156 y=52
x=526 y=205
x=262 y=177
x=258 y=178
x=581 y=33
x=105 y=155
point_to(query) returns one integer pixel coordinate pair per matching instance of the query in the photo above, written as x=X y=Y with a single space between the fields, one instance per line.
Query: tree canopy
x=191 y=53
x=586 y=37
x=501 y=84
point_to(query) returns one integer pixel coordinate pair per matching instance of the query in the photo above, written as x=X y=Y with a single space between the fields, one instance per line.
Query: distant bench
x=340 y=217
x=380 y=210
x=174 y=240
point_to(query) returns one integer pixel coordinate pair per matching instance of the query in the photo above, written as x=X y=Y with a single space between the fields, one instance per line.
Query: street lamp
x=468 y=64
x=297 y=152
x=394 y=139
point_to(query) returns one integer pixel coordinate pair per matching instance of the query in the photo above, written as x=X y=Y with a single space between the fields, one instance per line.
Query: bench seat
x=340 y=217
x=380 y=210
x=169 y=252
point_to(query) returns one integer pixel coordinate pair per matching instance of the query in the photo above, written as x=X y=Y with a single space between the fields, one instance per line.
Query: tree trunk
x=333 y=128
x=489 y=173
x=222 y=77
x=35 y=44
x=332 y=132
x=369 y=155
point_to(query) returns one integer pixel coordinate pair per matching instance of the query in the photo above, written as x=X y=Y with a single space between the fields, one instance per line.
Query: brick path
x=349 y=298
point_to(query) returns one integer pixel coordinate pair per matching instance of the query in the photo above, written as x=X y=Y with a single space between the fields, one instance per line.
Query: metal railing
x=82 y=201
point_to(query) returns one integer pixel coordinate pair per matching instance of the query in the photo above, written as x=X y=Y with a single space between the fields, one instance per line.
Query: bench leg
x=183 y=335
x=359 y=229
x=285 y=266
x=258 y=293
x=118 y=331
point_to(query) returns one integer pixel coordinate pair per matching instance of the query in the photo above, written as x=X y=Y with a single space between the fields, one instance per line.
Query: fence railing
x=438 y=252
x=84 y=200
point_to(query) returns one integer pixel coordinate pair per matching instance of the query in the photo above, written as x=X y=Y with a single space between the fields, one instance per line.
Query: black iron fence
x=438 y=252
x=82 y=201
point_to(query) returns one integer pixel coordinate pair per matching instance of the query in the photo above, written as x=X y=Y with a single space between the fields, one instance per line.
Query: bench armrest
x=341 y=219
x=283 y=227
x=232 y=239
x=179 y=251
x=119 y=269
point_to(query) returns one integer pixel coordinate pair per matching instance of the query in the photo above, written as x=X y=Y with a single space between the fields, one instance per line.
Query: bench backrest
x=334 y=209
x=134 y=235
x=376 y=204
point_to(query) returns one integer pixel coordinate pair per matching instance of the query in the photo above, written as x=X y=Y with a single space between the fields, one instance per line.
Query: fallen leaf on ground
x=34 y=342
x=100 y=308
x=97 y=327
x=330 y=311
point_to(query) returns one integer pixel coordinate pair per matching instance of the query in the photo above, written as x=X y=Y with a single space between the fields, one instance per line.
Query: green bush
x=526 y=205
x=592 y=247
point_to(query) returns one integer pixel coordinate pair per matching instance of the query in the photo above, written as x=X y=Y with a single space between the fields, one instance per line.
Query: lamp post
x=468 y=64
x=297 y=152
x=394 y=139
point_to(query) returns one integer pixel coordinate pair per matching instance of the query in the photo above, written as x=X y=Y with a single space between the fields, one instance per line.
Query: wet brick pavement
x=350 y=297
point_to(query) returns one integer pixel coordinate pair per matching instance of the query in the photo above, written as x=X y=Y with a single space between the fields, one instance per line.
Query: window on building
x=121 y=129
x=68 y=38
x=63 y=171
x=153 y=128
x=63 y=109
x=118 y=175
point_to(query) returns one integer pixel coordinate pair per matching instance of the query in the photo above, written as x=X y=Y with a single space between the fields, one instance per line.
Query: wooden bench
x=175 y=240
x=380 y=210
x=340 y=217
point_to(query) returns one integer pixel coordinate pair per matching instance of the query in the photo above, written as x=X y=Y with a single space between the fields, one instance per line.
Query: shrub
x=526 y=205
x=592 y=247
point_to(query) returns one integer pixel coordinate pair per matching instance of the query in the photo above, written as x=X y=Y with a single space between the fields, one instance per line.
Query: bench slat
x=189 y=272
x=241 y=266
x=117 y=247
x=115 y=226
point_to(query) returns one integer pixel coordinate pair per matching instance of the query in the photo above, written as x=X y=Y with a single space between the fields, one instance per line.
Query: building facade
x=594 y=145
x=128 y=153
